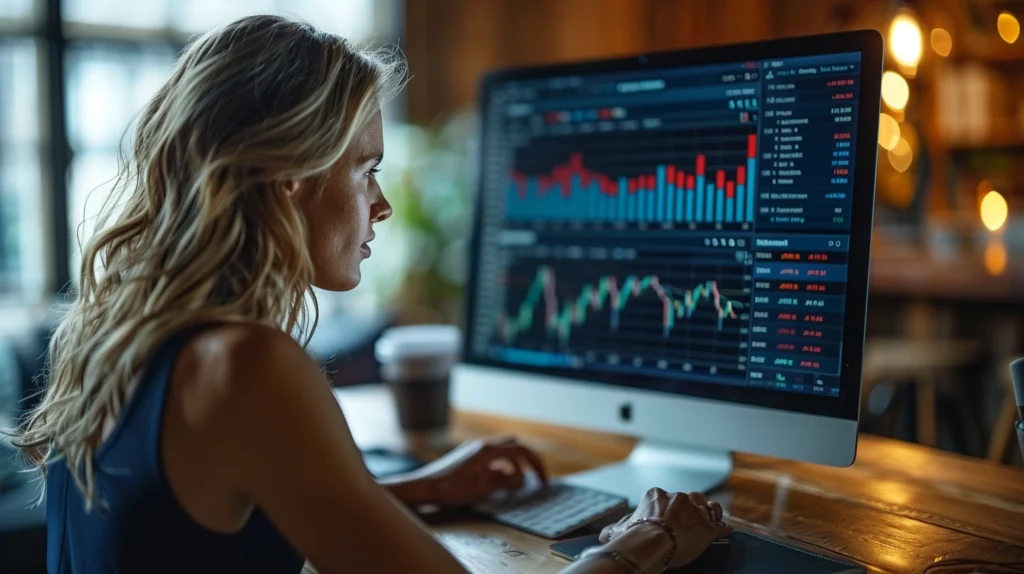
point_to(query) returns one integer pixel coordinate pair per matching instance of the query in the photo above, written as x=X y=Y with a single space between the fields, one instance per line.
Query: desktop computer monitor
x=675 y=246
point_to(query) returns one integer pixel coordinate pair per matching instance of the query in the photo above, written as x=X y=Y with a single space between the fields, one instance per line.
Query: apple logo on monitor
x=626 y=412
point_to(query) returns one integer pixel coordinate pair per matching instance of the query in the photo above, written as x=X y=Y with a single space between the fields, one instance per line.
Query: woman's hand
x=695 y=523
x=474 y=470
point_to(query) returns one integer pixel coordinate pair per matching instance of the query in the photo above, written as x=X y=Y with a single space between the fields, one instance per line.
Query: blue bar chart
x=667 y=193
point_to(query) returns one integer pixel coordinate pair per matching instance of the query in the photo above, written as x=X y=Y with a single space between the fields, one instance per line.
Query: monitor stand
x=671 y=467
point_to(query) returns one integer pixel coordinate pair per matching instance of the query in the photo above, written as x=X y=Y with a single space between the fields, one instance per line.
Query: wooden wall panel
x=598 y=28
x=450 y=43
x=688 y=24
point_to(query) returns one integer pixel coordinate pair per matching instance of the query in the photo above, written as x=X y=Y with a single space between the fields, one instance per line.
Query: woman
x=184 y=429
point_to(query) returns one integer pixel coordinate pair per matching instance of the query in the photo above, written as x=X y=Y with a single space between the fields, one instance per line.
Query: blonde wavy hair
x=199 y=227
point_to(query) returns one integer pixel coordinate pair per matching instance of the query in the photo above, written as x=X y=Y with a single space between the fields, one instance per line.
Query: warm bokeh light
x=995 y=256
x=1009 y=27
x=908 y=133
x=888 y=131
x=905 y=40
x=901 y=156
x=994 y=210
x=942 y=42
x=895 y=90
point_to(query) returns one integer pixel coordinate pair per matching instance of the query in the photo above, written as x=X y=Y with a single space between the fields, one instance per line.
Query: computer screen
x=680 y=228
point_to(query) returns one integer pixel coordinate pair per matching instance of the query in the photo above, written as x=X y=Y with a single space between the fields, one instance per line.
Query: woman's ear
x=291 y=187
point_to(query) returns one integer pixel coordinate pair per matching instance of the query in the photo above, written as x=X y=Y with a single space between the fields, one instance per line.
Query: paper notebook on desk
x=751 y=554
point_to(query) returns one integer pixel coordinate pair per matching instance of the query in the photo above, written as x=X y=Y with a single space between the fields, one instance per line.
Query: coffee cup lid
x=417 y=341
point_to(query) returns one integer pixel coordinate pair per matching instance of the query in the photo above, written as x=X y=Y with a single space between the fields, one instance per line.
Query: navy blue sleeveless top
x=140 y=526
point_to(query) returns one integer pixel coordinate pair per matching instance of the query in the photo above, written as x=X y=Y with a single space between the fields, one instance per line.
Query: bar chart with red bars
x=668 y=193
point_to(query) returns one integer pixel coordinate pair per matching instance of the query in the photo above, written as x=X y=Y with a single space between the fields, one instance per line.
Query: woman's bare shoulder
x=225 y=367
x=234 y=389
x=228 y=341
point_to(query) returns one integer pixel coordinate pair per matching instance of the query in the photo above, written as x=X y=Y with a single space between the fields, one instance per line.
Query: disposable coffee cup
x=416 y=363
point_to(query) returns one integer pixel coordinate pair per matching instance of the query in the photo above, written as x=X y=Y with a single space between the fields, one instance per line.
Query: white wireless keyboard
x=553 y=512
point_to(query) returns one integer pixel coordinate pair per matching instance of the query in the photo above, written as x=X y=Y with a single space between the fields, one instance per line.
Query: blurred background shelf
x=1011 y=141
x=914 y=273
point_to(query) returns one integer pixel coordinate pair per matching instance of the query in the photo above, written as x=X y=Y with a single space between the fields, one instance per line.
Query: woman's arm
x=289 y=451
x=282 y=443
x=645 y=546
x=411 y=490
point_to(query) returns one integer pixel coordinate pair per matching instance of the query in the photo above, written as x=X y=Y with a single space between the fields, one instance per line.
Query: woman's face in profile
x=340 y=219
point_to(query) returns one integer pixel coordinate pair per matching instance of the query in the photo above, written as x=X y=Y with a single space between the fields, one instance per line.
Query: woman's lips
x=365 y=247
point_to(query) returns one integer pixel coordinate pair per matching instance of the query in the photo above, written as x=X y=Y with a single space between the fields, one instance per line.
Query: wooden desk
x=897 y=509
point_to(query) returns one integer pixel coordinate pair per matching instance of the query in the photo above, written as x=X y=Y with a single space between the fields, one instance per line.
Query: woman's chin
x=339 y=282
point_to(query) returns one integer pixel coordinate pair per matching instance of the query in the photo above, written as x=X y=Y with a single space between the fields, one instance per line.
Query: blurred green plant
x=429 y=182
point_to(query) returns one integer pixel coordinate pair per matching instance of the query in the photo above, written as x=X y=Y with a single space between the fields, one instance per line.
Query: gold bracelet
x=668 y=530
x=616 y=557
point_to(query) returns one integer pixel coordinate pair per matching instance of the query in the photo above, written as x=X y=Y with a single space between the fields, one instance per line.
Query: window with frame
x=119 y=53
x=60 y=130
x=24 y=259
